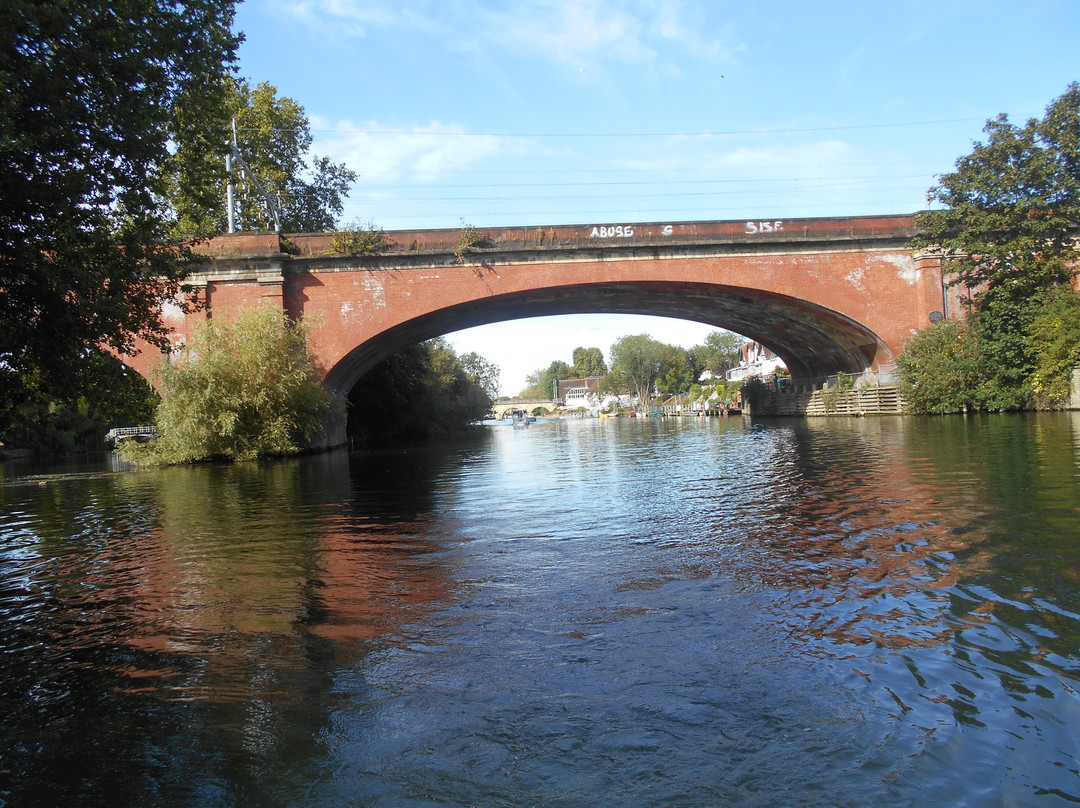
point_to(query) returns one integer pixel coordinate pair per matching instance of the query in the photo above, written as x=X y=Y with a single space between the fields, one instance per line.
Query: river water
x=617 y=612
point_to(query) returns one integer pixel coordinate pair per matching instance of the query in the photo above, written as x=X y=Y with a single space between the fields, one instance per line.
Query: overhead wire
x=721 y=133
x=648 y=194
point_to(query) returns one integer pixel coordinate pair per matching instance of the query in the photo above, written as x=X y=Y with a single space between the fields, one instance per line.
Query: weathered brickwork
x=827 y=295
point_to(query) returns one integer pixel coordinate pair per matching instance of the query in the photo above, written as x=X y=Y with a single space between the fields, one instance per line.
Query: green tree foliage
x=943 y=370
x=482 y=373
x=238 y=391
x=274 y=139
x=104 y=394
x=1054 y=342
x=587 y=362
x=720 y=351
x=1006 y=233
x=541 y=383
x=94 y=94
x=635 y=364
x=676 y=372
x=421 y=392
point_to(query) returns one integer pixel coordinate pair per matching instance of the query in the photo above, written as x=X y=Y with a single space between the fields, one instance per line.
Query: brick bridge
x=503 y=408
x=827 y=295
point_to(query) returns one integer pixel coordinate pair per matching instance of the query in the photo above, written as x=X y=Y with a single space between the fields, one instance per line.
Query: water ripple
x=694 y=612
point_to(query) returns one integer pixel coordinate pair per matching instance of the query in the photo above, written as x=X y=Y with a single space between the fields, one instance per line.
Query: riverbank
x=858 y=400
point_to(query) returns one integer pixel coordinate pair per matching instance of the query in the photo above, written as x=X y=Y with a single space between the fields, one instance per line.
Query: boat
x=523 y=418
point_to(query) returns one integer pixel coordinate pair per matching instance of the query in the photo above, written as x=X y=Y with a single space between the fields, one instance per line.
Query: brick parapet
x=555 y=237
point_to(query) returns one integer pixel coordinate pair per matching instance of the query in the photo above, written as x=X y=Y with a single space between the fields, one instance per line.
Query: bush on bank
x=942 y=369
x=951 y=367
x=239 y=390
x=1054 y=339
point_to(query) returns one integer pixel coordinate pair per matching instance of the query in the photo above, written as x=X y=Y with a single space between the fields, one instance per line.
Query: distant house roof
x=590 y=384
x=754 y=360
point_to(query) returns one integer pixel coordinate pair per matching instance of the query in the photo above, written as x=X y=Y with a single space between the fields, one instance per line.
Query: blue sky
x=596 y=111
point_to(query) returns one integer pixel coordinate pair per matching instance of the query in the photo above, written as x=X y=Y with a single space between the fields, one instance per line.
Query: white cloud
x=676 y=23
x=575 y=33
x=422 y=153
x=351 y=18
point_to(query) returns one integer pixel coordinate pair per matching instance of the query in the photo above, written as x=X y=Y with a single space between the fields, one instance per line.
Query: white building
x=754 y=360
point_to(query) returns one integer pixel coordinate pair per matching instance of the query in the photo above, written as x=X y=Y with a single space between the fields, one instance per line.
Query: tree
x=1006 y=233
x=724 y=346
x=95 y=92
x=420 y=392
x=481 y=373
x=676 y=373
x=587 y=362
x=274 y=138
x=238 y=391
x=719 y=353
x=1054 y=342
x=104 y=394
x=635 y=365
x=541 y=383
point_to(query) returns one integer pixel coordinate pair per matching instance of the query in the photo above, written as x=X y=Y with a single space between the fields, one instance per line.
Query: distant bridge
x=826 y=295
x=118 y=434
x=503 y=407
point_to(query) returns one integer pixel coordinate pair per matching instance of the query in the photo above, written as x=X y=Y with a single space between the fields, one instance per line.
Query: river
x=616 y=613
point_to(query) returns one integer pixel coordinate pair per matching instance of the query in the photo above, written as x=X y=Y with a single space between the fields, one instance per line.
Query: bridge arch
x=812 y=340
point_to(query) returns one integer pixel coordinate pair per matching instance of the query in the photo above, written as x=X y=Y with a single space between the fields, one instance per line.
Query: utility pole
x=234 y=157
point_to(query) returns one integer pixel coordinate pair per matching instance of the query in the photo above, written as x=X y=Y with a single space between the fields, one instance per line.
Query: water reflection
x=627 y=613
x=215 y=599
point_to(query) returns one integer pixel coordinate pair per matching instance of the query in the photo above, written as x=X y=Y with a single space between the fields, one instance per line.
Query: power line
x=640 y=169
x=896 y=200
x=721 y=133
x=790 y=186
x=627 y=183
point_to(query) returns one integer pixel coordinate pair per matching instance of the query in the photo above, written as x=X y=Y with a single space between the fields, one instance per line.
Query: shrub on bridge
x=238 y=391
x=358 y=239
